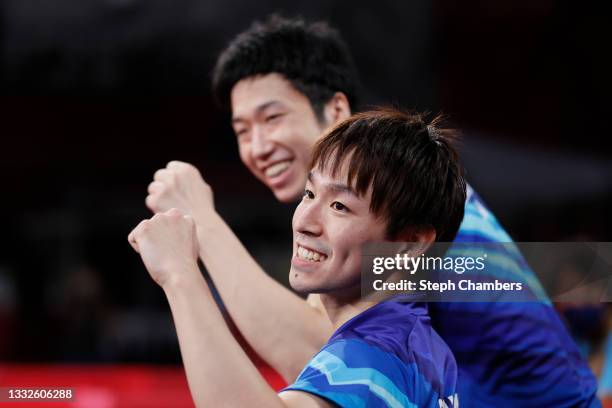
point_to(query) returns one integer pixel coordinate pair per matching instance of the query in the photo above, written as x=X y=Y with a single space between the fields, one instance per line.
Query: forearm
x=281 y=327
x=218 y=371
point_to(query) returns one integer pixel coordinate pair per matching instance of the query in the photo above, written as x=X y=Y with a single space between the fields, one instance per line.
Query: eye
x=308 y=194
x=338 y=206
x=273 y=117
x=240 y=133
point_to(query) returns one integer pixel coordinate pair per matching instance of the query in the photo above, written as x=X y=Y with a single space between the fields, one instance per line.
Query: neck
x=340 y=310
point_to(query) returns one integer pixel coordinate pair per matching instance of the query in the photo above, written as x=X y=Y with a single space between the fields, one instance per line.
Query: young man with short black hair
x=381 y=354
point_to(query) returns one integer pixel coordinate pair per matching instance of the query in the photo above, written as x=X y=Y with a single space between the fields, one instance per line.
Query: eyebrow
x=258 y=110
x=337 y=187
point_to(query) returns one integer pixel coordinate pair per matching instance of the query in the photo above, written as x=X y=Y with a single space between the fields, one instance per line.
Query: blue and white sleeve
x=353 y=373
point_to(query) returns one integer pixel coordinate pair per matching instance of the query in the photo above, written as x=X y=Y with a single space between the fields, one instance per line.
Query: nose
x=307 y=219
x=261 y=145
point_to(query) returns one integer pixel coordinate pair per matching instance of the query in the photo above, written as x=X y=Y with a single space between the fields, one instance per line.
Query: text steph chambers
x=462 y=285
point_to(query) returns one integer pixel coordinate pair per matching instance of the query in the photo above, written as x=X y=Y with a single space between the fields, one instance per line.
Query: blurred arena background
x=98 y=94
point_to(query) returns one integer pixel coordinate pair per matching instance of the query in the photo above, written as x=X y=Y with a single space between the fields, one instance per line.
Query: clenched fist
x=168 y=246
x=179 y=185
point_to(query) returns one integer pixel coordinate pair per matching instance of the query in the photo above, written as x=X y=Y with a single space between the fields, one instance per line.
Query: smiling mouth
x=310 y=255
x=277 y=168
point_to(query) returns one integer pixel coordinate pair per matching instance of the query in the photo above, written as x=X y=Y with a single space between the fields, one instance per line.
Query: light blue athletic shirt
x=511 y=354
x=387 y=356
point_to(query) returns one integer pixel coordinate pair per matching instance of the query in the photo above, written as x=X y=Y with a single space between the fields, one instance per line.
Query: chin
x=300 y=284
x=299 y=287
x=289 y=194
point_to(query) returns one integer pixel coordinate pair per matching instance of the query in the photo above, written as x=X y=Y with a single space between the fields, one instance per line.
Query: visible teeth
x=309 y=255
x=277 y=168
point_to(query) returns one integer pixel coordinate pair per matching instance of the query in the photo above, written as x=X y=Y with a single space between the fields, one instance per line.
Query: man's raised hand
x=179 y=185
x=168 y=246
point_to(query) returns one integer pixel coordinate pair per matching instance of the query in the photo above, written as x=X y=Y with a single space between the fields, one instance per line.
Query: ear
x=337 y=109
x=417 y=238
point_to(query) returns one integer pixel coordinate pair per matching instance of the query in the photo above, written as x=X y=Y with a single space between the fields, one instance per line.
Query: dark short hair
x=311 y=56
x=410 y=164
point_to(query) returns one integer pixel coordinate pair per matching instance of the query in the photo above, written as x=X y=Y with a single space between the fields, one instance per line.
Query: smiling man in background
x=286 y=81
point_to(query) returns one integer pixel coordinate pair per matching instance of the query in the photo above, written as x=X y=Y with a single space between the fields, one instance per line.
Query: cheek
x=351 y=247
x=302 y=136
x=308 y=140
x=352 y=260
x=244 y=150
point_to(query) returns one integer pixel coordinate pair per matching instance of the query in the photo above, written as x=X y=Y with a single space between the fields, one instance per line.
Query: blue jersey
x=511 y=354
x=387 y=356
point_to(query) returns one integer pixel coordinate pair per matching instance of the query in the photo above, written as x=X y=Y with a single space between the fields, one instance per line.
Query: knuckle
x=159 y=174
x=151 y=202
x=143 y=227
x=178 y=167
x=153 y=186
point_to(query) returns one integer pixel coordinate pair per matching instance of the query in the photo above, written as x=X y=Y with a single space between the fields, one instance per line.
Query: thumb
x=132 y=241
x=174 y=211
